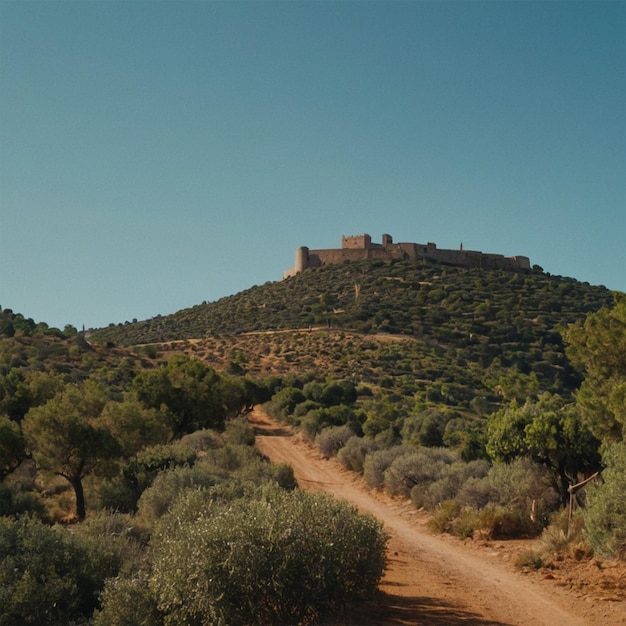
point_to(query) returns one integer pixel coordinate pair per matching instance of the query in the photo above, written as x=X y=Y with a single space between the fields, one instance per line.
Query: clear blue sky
x=154 y=155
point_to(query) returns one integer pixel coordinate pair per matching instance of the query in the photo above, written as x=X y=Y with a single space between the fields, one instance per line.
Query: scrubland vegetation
x=131 y=492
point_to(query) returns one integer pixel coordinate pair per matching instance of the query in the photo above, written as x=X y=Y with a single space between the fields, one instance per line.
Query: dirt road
x=433 y=580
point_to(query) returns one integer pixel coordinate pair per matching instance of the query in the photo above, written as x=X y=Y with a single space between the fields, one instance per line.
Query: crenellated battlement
x=360 y=247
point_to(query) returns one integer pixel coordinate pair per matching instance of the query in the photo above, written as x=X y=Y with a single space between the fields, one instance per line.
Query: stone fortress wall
x=360 y=247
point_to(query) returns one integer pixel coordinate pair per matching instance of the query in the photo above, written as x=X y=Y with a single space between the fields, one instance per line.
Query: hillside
x=403 y=372
x=466 y=338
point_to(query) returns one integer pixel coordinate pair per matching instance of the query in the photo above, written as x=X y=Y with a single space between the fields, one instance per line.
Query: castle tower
x=302 y=259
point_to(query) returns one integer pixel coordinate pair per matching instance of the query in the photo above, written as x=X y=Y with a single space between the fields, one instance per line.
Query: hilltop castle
x=360 y=247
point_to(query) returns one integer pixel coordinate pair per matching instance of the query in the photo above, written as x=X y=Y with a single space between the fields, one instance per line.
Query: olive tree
x=275 y=558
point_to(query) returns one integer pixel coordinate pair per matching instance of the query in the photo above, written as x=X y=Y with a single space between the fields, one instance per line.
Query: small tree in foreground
x=277 y=558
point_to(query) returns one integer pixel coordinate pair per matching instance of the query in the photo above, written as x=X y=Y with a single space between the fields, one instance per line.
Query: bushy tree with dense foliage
x=598 y=345
x=196 y=396
x=274 y=558
x=548 y=430
x=67 y=436
x=48 y=576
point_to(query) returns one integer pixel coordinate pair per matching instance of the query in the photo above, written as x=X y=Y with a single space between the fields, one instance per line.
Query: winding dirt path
x=432 y=580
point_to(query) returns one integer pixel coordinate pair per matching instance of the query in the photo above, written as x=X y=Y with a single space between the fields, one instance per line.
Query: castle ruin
x=360 y=247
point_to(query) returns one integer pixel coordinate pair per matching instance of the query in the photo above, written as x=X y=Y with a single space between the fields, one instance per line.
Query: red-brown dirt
x=440 y=580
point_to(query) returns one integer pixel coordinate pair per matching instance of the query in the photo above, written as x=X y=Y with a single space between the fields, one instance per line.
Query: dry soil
x=440 y=580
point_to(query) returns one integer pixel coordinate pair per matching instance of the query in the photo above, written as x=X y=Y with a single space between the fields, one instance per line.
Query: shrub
x=529 y=559
x=565 y=535
x=283 y=404
x=514 y=499
x=319 y=419
x=443 y=516
x=416 y=469
x=229 y=458
x=201 y=440
x=123 y=492
x=376 y=464
x=425 y=428
x=526 y=488
x=331 y=440
x=302 y=409
x=605 y=516
x=354 y=452
x=127 y=602
x=452 y=479
x=503 y=522
x=238 y=432
x=167 y=487
x=475 y=493
x=466 y=522
x=47 y=575
x=310 y=426
x=119 y=535
x=258 y=471
x=509 y=500
x=14 y=501
x=277 y=558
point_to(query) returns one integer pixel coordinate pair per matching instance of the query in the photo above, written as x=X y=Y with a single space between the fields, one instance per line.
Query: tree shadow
x=272 y=431
x=389 y=609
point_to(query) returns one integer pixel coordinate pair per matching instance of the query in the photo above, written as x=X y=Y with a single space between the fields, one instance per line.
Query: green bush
x=605 y=515
x=353 y=454
x=565 y=534
x=320 y=419
x=444 y=515
x=283 y=403
x=279 y=558
x=302 y=409
x=504 y=522
x=257 y=471
x=309 y=426
x=425 y=428
x=332 y=439
x=167 y=487
x=48 y=576
x=15 y=501
x=475 y=492
x=416 y=468
x=127 y=602
x=517 y=485
x=230 y=457
x=513 y=499
x=123 y=492
x=201 y=440
x=376 y=464
x=238 y=432
x=118 y=535
x=452 y=479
